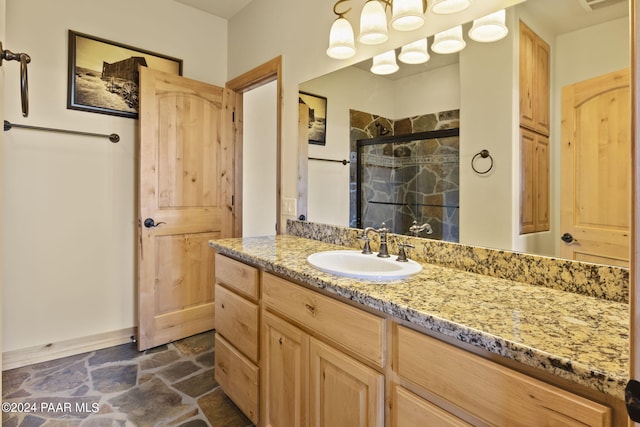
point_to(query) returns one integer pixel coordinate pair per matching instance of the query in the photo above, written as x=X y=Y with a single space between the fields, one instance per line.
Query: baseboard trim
x=43 y=353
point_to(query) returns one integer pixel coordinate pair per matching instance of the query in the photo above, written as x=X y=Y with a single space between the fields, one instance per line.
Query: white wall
x=69 y=201
x=259 y=161
x=430 y=92
x=486 y=118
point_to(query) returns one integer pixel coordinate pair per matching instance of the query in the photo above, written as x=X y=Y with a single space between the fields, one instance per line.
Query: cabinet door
x=238 y=377
x=534 y=182
x=527 y=76
x=542 y=95
x=237 y=321
x=343 y=391
x=285 y=355
x=534 y=81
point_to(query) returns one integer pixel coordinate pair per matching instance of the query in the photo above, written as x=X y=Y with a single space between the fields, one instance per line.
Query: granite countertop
x=580 y=338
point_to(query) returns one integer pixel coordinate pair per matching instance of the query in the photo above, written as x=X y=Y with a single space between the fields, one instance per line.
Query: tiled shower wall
x=409 y=181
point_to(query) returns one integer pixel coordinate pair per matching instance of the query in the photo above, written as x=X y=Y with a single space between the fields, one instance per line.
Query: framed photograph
x=317 y=117
x=103 y=75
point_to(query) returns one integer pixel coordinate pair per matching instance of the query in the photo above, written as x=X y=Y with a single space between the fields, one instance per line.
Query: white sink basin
x=353 y=263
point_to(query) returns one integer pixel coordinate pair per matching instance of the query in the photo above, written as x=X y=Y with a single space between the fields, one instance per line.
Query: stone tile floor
x=171 y=385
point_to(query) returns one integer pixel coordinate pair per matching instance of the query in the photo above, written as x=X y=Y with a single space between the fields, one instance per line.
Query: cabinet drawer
x=487 y=390
x=411 y=410
x=237 y=321
x=355 y=329
x=238 y=377
x=238 y=276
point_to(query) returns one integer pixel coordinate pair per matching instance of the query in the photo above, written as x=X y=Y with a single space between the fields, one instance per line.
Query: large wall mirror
x=477 y=89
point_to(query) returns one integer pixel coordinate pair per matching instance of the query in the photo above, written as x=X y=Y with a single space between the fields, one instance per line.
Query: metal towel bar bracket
x=114 y=137
x=24 y=81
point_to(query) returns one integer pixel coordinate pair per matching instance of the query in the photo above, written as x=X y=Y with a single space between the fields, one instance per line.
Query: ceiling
x=222 y=8
x=562 y=16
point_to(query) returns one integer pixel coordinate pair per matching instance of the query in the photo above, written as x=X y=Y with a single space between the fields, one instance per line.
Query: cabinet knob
x=223 y=368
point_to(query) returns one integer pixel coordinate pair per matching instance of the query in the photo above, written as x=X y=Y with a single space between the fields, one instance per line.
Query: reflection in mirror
x=482 y=82
x=409 y=180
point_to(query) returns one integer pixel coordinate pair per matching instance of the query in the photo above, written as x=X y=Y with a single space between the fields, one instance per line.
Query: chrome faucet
x=416 y=229
x=382 y=231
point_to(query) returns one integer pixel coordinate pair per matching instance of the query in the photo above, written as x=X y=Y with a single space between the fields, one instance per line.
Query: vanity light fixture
x=415 y=52
x=489 y=28
x=445 y=7
x=449 y=41
x=385 y=63
x=406 y=15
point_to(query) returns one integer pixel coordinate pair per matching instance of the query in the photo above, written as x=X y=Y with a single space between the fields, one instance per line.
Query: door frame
x=263 y=74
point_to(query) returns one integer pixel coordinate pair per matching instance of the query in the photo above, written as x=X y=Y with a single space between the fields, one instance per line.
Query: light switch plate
x=289 y=207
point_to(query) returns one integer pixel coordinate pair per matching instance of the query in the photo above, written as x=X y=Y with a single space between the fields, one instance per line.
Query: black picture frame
x=317 y=117
x=103 y=75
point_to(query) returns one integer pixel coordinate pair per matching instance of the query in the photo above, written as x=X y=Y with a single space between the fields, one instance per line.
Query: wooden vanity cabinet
x=306 y=368
x=236 y=340
x=323 y=362
x=486 y=390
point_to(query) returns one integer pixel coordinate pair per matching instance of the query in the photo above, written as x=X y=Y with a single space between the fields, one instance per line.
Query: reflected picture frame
x=103 y=75
x=317 y=117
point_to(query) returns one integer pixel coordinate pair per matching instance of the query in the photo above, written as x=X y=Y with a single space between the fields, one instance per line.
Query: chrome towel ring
x=482 y=154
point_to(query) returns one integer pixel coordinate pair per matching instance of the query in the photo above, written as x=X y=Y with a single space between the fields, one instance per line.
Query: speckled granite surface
x=595 y=280
x=574 y=336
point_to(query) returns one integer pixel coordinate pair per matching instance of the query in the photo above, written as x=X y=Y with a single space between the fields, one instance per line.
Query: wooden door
x=343 y=392
x=596 y=169
x=185 y=178
x=284 y=364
